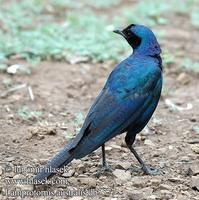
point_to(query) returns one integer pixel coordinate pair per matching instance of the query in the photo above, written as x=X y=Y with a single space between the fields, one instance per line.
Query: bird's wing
x=115 y=109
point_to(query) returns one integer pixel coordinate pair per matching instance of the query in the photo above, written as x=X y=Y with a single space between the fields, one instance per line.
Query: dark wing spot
x=79 y=138
x=87 y=130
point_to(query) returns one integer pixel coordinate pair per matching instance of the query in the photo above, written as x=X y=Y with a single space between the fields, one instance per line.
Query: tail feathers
x=55 y=165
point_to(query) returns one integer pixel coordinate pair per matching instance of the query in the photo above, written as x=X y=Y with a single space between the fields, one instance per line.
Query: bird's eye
x=129 y=33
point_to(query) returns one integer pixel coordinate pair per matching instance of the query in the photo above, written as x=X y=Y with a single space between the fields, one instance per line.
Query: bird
x=125 y=104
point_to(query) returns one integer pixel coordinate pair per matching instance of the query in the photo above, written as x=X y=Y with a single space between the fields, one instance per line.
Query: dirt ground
x=61 y=91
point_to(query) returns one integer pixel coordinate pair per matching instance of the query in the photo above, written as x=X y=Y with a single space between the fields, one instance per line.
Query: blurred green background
x=62 y=29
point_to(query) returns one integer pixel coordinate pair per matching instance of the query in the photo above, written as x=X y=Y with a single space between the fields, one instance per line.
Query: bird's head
x=141 y=39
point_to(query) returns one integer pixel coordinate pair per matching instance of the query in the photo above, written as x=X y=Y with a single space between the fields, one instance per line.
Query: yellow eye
x=129 y=33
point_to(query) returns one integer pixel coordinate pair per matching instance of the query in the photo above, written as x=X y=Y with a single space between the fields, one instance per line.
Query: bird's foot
x=146 y=170
x=104 y=169
x=150 y=170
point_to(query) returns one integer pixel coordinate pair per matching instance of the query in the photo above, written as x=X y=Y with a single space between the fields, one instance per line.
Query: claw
x=103 y=170
x=146 y=170
x=151 y=171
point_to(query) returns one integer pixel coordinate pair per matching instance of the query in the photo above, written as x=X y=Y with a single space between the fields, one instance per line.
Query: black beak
x=120 y=32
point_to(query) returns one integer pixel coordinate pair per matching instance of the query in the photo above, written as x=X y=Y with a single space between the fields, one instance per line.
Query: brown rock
x=39 y=132
x=152 y=197
x=181 y=197
x=166 y=194
x=108 y=148
x=135 y=195
x=149 y=142
x=121 y=143
x=183 y=78
x=195 y=148
x=73 y=181
x=185 y=158
x=69 y=173
x=186 y=193
x=10 y=159
x=155 y=182
x=122 y=175
x=26 y=187
x=19 y=176
x=123 y=165
x=194 y=169
x=93 y=169
x=115 y=146
x=140 y=194
x=78 y=59
x=139 y=181
x=76 y=162
x=1 y=170
x=195 y=182
x=165 y=187
x=90 y=182
x=176 y=180
x=147 y=191
x=81 y=168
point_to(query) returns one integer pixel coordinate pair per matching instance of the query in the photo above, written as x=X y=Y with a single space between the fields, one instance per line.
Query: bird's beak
x=120 y=32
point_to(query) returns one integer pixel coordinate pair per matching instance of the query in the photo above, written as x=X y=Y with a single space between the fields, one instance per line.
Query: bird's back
x=132 y=87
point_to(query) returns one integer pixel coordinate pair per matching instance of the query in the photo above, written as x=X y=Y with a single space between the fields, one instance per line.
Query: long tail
x=58 y=162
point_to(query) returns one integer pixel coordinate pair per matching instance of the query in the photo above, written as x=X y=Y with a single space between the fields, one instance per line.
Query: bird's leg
x=147 y=170
x=104 y=163
x=129 y=139
x=105 y=167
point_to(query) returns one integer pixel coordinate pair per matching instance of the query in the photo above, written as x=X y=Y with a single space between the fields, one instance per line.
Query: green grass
x=189 y=65
x=57 y=30
x=195 y=17
x=196 y=129
x=26 y=114
x=80 y=35
x=101 y=4
x=147 y=12
x=168 y=58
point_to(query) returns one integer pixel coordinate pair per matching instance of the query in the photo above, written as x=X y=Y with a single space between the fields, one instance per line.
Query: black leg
x=104 y=163
x=147 y=170
x=105 y=167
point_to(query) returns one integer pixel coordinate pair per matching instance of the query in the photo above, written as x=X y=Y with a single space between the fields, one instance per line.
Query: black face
x=130 y=36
